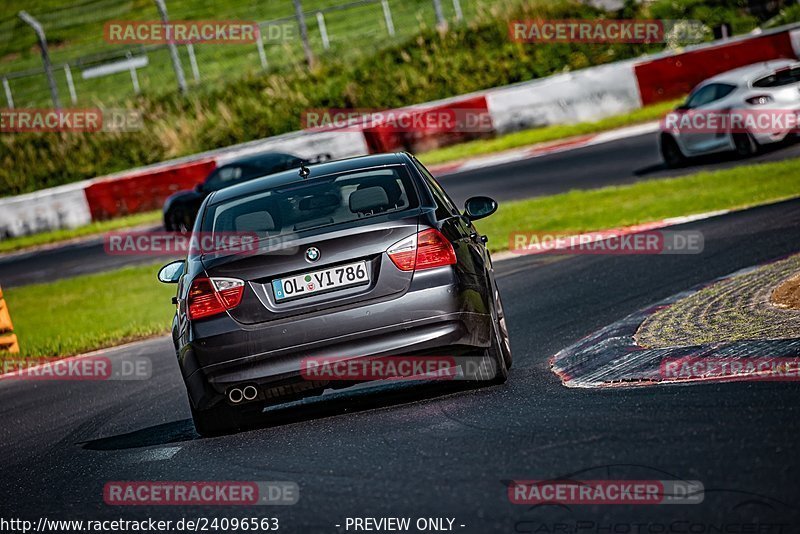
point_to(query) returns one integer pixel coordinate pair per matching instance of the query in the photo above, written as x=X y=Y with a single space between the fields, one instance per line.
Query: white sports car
x=738 y=110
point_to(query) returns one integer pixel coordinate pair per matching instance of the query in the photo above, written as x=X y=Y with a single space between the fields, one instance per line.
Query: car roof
x=749 y=72
x=318 y=170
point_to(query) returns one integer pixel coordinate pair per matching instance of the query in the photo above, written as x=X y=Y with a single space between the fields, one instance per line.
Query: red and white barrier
x=584 y=95
x=64 y=206
x=580 y=96
x=668 y=76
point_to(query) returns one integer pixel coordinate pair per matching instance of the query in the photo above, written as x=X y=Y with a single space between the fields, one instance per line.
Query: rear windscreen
x=318 y=202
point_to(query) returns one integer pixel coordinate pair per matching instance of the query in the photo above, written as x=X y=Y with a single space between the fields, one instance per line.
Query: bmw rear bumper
x=225 y=353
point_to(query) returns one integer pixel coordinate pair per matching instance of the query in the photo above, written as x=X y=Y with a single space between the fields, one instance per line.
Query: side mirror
x=171 y=272
x=683 y=107
x=479 y=207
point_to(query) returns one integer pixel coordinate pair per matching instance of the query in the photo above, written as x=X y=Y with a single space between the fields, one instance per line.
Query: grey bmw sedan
x=363 y=259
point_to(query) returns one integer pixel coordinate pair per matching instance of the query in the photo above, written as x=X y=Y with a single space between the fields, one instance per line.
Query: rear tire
x=505 y=343
x=496 y=353
x=671 y=152
x=493 y=369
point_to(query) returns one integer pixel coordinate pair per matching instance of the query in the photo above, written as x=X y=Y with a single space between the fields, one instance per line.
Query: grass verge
x=545 y=134
x=54 y=236
x=612 y=207
x=84 y=313
x=89 y=312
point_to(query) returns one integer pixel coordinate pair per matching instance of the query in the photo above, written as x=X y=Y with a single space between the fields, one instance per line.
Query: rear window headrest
x=369 y=199
x=257 y=221
x=389 y=184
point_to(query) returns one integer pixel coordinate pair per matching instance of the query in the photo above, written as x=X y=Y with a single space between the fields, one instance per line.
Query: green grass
x=55 y=236
x=547 y=133
x=95 y=311
x=652 y=200
x=80 y=314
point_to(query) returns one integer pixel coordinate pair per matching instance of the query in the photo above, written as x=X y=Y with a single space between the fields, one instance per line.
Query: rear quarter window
x=779 y=78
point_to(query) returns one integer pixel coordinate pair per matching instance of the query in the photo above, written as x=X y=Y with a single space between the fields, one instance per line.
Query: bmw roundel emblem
x=312 y=254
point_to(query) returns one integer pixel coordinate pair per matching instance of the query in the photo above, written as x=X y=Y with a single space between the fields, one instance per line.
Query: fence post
x=48 y=67
x=301 y=22
x=73 y=96
x=387 y=15
x=134 y=76
x=173 y=50
x=260 y=46
x=457 y=9
x=437 y=7
x=323 y=30
x=193 y=62
x=9 y=96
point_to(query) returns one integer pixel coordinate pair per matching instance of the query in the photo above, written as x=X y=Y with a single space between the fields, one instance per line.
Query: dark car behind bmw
x=181 y=207
x=358 y=258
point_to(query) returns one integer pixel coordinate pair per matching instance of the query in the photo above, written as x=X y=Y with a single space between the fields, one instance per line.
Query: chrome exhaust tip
x=249 y=393
x=235 y=395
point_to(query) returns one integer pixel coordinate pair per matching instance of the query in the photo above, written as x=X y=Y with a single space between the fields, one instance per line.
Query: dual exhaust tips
x=247 y=393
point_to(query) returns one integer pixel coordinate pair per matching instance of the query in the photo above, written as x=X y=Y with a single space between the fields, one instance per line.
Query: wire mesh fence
x=90 y=70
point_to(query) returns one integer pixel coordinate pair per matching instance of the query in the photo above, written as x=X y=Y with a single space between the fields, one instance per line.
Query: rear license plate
x=307 y=284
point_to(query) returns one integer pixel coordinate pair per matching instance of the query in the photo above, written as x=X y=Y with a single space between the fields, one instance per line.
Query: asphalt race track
x=439 y=451
x=616 y=162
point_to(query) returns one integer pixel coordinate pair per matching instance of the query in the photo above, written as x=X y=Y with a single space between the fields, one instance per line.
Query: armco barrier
x=580 y=96
x=8 y=340
x=670 y=77
x=64 y=206
x=145 y=191
x=391 y=138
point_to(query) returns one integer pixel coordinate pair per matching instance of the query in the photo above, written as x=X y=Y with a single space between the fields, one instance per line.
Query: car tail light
x=212 y=296
x=759 y=100
x=425 y=250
